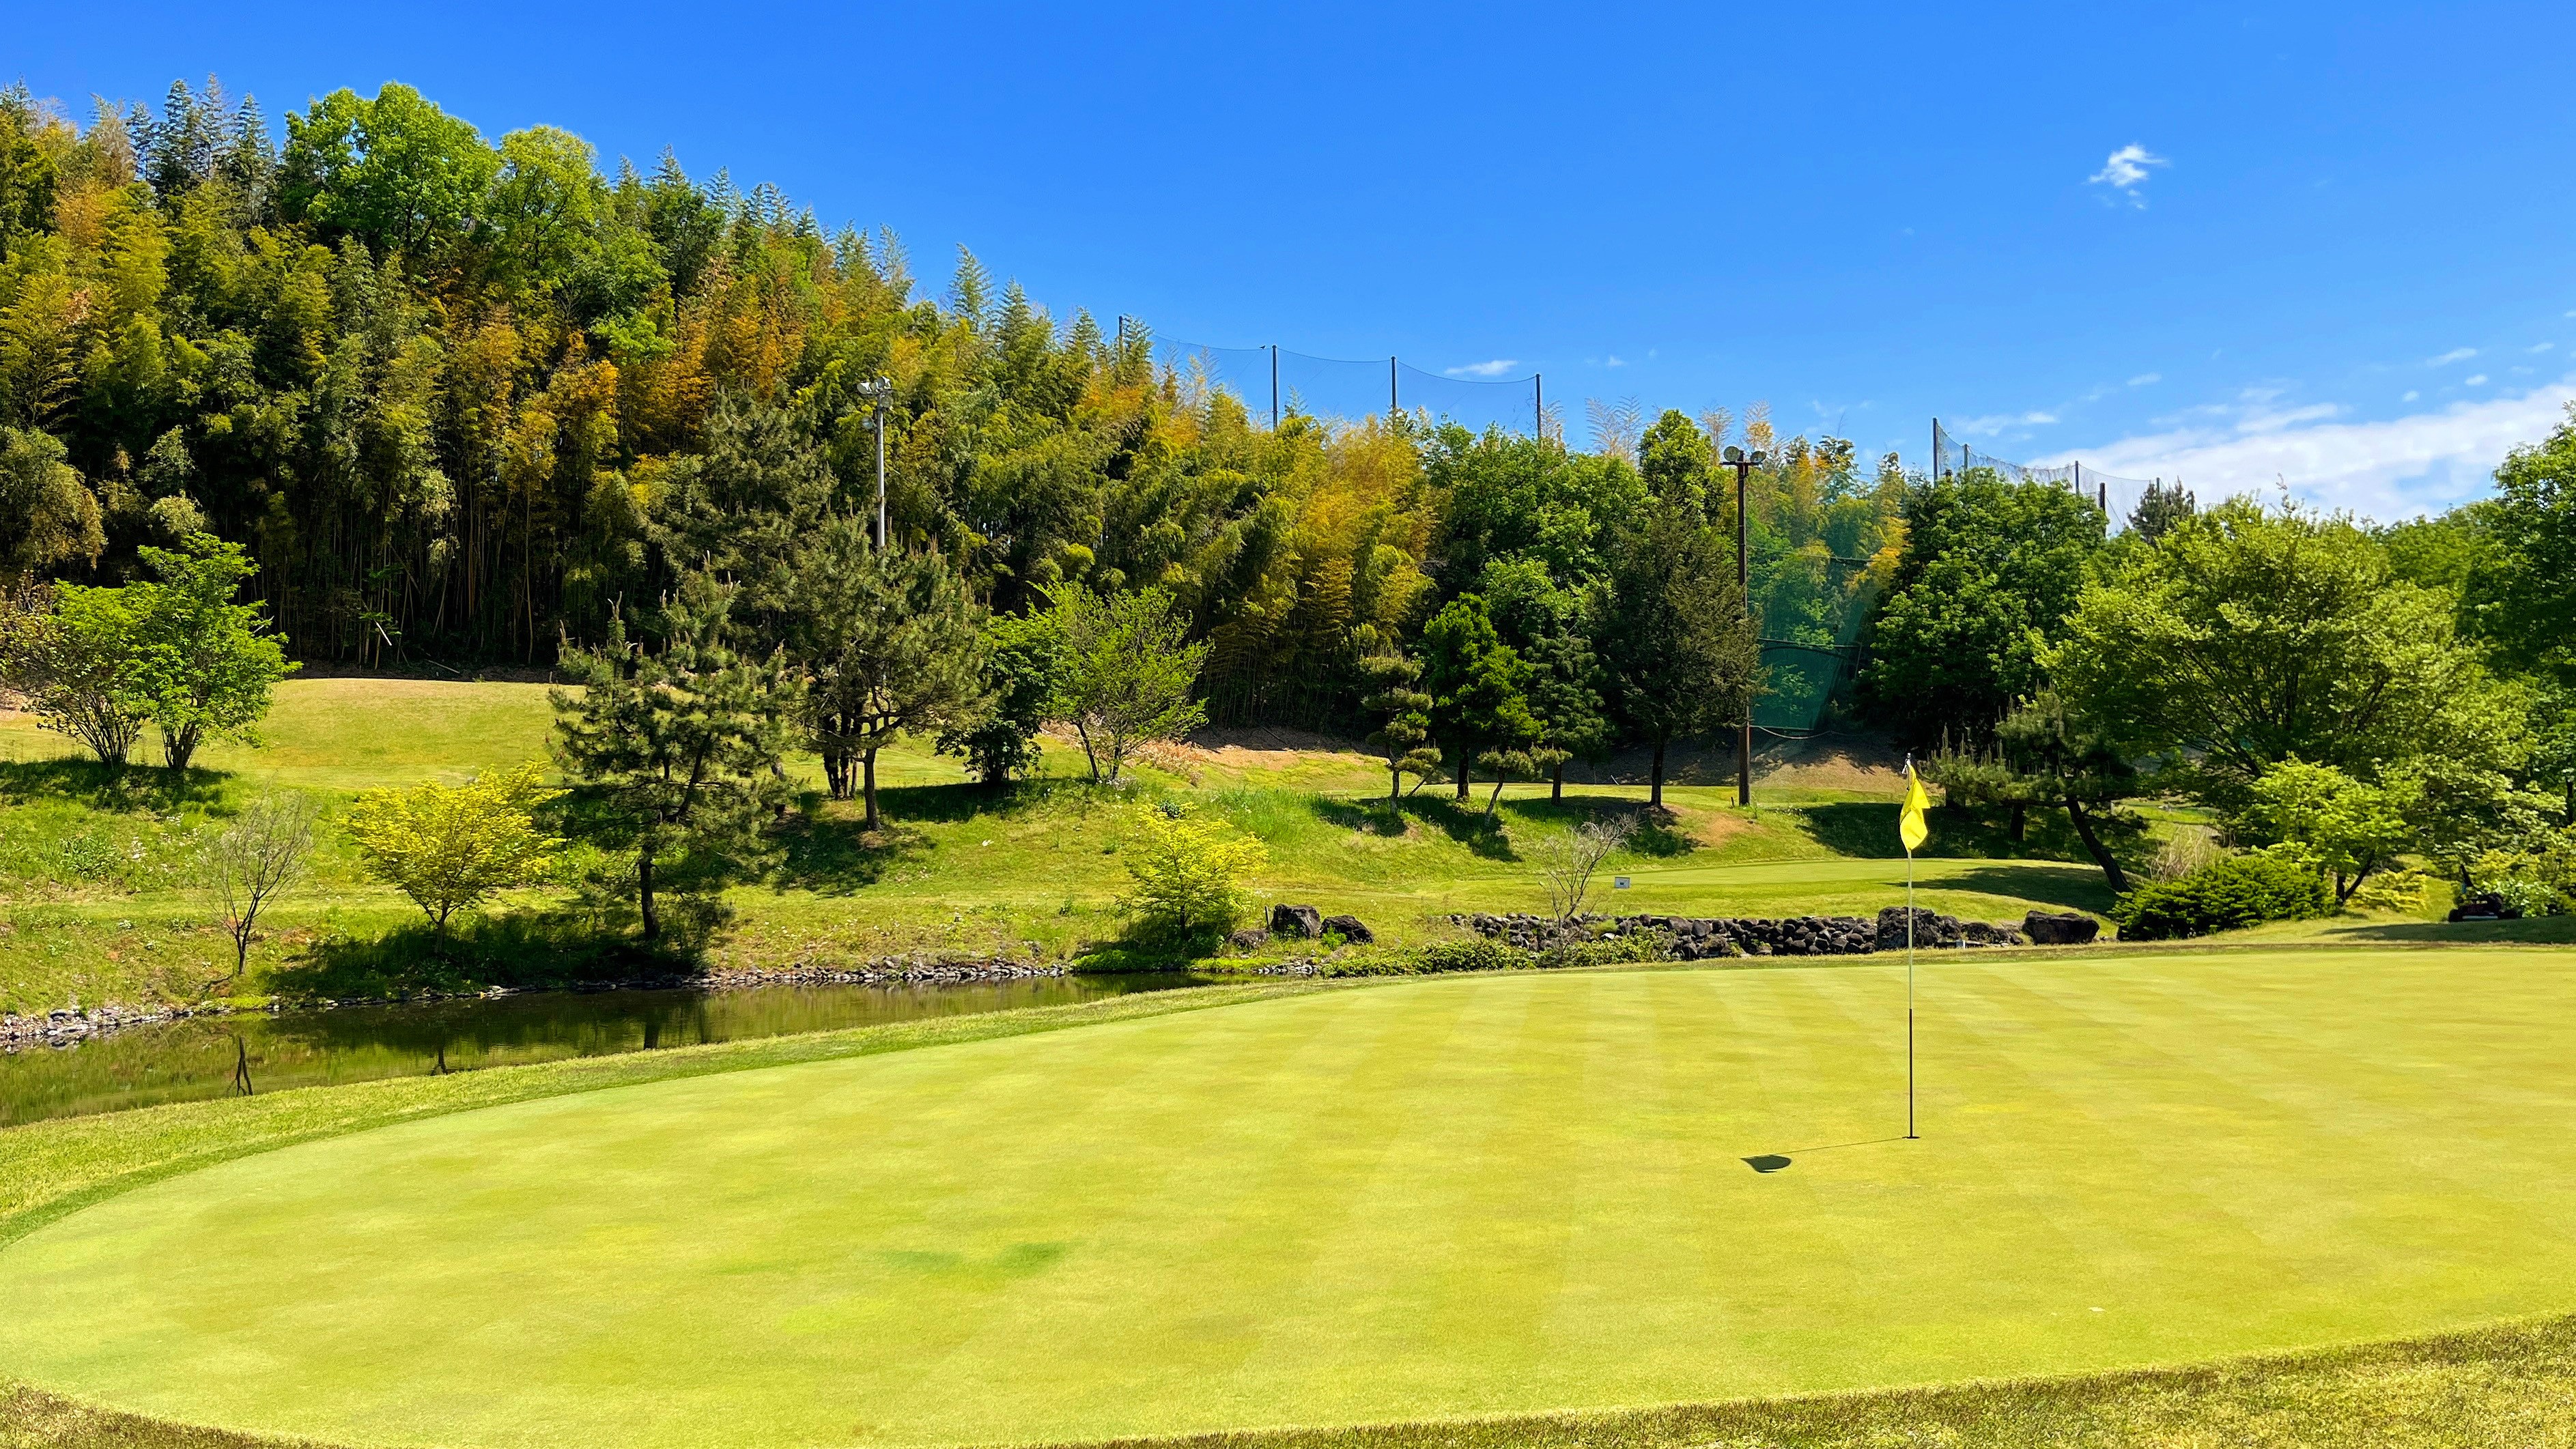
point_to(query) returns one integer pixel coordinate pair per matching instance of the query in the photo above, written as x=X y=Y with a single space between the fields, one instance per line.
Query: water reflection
x=238 y=1055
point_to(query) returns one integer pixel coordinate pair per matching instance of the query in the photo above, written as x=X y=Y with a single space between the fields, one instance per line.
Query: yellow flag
x=1910 y=826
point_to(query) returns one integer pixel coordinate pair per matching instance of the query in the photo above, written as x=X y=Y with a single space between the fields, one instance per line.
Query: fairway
x=1448 y=1196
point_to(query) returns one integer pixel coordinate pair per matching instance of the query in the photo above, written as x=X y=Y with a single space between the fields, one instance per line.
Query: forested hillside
x=461 y=399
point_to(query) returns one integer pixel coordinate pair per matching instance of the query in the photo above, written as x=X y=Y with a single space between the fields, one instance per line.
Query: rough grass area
x=95 y=905
x=1404 y=1203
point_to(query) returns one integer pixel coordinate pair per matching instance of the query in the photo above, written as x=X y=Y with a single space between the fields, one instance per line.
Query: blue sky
x=2323 y=244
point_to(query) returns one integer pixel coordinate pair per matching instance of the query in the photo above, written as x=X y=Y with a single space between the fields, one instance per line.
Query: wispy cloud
x=1989 y=426
x=2126 y=171
x=2456 y=354
x=2411 y=395
x=2390 y=469
x=2146 y=379
x=2475 y=379
x=2540 y=347
x=1495 y=368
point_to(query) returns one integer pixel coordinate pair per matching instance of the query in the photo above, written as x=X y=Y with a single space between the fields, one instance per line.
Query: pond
x=219 y=1056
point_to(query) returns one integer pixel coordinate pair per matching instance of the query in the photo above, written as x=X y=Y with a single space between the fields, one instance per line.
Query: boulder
x=2060 y=928
x=1250 y=938
x=1351 y=930
x=1303 y=922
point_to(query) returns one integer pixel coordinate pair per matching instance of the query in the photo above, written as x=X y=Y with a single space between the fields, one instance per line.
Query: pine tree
x=672 y=750
x=1403 y=736
x=888 y=642
x=1676 y=647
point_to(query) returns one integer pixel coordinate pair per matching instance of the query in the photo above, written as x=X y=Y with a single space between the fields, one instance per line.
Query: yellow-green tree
x=1188 y=876
x=452 y=847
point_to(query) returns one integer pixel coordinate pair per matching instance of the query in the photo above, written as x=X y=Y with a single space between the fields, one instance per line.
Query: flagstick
x=1909 y=996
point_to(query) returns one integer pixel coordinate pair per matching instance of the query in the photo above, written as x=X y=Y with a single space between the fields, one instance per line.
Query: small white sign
x=1618 y=882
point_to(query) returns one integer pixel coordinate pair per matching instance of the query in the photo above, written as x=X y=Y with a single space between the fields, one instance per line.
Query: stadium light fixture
x=879 y=391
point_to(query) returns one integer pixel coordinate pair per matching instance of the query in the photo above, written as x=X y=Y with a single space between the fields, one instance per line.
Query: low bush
x=2228 y=894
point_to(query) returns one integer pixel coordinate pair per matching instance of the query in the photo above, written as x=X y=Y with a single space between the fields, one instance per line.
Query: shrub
x=1188 y=878
x=450 y=848
x=2228 y=894
x=2533 y=882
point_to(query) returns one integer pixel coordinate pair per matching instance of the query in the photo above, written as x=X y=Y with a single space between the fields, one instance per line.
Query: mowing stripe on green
x=1497 y=1194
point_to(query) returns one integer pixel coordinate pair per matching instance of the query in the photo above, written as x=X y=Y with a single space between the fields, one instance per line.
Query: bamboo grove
x=463 y=400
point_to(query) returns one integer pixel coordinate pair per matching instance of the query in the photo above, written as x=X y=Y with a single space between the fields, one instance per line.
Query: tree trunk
x=178 y=749
x=1496 y=798
x=1464 y=759
x=644 y=894
x=868 y=764
x=1394 y=784
x=2093 y=845
x=1556 y=784
x=1655 y=790
x=2020 y=822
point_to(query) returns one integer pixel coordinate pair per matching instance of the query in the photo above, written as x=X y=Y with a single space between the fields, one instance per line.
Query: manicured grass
x=1514 y=1194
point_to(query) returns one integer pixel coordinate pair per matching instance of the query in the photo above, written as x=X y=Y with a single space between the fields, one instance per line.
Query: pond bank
x=215 y=1054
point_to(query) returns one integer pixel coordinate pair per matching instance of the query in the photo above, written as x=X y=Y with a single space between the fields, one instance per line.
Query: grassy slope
x=1519 y=1192
x=92 y=905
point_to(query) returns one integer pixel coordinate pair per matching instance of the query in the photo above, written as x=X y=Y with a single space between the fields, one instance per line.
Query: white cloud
x=2540 y=347
x=2411 y=395
x=2456 y=354
x=2390 y=469
x=2126 y=171
x=1987 y=427
x=2475 y=379
x=1614 y=360
x=1495 y=368
x=2146 y=379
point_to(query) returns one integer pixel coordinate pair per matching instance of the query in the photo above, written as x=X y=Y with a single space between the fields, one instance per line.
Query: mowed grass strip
x=1500 y=1195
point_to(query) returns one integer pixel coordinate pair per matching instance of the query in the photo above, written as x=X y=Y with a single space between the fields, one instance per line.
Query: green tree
x=1676 y=648
x=452 y=847
x=672 y=750
x=73 y=655
x=2243 y=638
x=395 y=170
x=2524 y=600
x=1475 y=683
x=888 y=642
x=1988 y=572
x=1403 y=734
x=1549 y=626
x=1188 y=877
x=210 y=665
x=1127 y=673
x=2159 y=509
x=1023 y=672
x=2038 y=755
x=48 y=517
x=2349 y=828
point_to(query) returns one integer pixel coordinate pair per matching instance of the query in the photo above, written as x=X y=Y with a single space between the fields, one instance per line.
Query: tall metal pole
x=1274 y=387
x=882 y=400
x=1744 y=591
x=1391 y=407
x=1538 y=405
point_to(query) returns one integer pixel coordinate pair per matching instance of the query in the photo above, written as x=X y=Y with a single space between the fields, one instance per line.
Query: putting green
x=1437 y=1197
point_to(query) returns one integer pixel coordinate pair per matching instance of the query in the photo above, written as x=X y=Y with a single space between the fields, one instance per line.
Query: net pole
x=1391 y=407
x=1744 y=589
x=1274 y=387
x=1538 y=406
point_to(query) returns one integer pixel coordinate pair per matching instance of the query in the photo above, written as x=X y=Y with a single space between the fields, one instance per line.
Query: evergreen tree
x=2159 y=509
x=1676 y=648
x=888 y=642
x=2037 y=755
x=673 y=750
x=1476 y=683
x=1403 y=735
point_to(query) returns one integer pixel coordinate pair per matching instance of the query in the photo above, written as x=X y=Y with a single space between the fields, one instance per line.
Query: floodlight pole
x=884 y=395
x=1742 y=463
